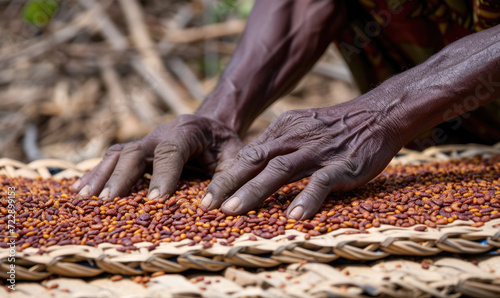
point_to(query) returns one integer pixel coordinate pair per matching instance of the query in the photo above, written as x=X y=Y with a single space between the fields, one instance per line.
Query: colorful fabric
x=385 y=37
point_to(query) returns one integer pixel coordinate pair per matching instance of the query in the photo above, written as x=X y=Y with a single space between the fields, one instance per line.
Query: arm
x=282 y=41
x=345 y=146
x=460 y=78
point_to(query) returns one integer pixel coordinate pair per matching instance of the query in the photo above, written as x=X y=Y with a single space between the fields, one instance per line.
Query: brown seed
x=477 y=224
x=442 y=221
x=367 y=207
x=116 y=277
x=157 y=273
x=53 y=286
x=422 y=199
x=308 y=226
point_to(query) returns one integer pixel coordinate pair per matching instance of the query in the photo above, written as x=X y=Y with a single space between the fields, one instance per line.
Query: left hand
x=168 y=148
x=340 y=147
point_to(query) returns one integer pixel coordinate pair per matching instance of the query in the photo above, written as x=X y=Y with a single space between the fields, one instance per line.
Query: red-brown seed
x=116 y=277
x=405 y=196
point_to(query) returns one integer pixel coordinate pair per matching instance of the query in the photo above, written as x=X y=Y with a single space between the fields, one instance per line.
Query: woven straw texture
x=448 y=275
x=444 y=277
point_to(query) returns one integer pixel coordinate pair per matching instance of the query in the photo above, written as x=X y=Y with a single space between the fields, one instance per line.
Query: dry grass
x=101 y=72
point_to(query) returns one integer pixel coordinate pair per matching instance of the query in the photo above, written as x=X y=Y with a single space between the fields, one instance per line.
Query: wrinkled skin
x=168 y=148
x=342 y=147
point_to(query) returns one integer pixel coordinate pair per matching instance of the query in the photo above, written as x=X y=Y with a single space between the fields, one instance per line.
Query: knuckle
x=120 y=177
x=253 y=193
x=166 y=149
x=253 y=155
x=253 y=189
x=87 y=176
x=282 y=164
x=223 y=181
x=132 y=148
x=113 y=150
x=314 y=200
x=285 y=121
x=159 y=132
x=185 y=119
x=93 y=177
x=350 y=168
x=321 y=179
x=289 y=116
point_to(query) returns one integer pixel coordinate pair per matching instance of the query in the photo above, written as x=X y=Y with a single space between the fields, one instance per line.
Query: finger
x=278 y=128
x=169 y=159
x=82 y=181
x=92 y=182
x=248 y=163
x=309 y=201
x=129 y=168
x=254 y=192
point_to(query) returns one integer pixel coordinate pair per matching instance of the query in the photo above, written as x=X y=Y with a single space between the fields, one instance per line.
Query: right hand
x=168 y=148
x=340 y=148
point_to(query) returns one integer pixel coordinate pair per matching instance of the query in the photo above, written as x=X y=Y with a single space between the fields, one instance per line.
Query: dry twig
x=150 y=66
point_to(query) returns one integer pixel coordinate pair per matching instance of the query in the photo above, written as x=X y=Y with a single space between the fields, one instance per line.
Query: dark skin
x=340 y=147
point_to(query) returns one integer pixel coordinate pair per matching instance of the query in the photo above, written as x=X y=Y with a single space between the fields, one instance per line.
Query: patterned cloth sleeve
x=384 y=37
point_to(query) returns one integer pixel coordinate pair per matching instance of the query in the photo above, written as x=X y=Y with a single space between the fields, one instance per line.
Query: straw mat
x=446 y=275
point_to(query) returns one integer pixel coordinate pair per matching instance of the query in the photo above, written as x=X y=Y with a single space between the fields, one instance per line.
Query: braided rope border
x=442 y=277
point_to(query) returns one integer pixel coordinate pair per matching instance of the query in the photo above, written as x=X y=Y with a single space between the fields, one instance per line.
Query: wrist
x=219 y=106
x=386 y=114
x=228 y=105
x=410 y=103
x=452 y=82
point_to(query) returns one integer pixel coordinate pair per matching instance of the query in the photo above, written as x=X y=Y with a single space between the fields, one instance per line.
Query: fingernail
x=206 y=201
x=76 y=185
x=85 y=192
x=297 y=212
x=233 y=203
x=104 y=193
x=153 y=194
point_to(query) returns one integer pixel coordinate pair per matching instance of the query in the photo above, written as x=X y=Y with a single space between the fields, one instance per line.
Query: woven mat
x=382 y=242
x=443 y=277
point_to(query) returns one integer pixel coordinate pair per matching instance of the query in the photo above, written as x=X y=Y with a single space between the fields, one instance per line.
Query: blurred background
x=77 y=76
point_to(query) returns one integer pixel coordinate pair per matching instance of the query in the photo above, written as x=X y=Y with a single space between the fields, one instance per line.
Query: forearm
x=281 y=43
x=460 y=78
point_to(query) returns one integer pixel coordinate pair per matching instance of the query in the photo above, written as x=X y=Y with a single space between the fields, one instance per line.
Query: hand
x=342 y=147
x=168 y=147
